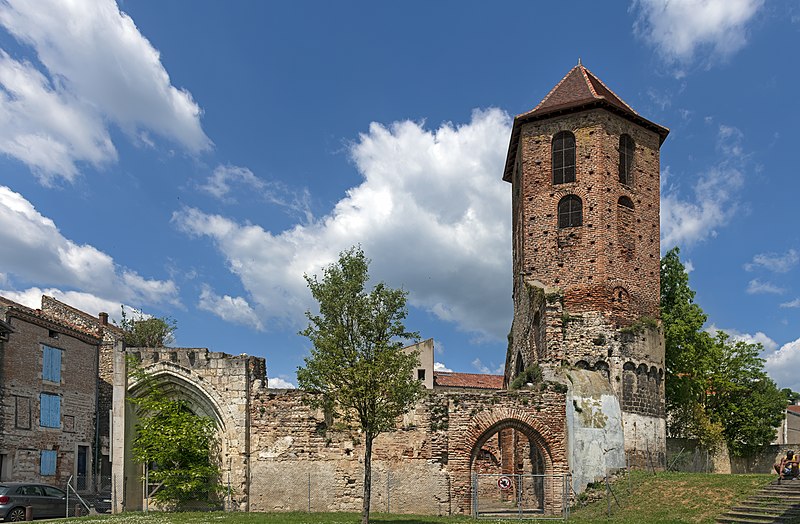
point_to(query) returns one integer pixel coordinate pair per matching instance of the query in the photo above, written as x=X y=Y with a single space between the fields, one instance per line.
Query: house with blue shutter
x=48 y=398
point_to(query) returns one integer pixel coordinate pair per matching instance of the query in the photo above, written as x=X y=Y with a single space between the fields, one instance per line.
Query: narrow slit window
x=626 y=149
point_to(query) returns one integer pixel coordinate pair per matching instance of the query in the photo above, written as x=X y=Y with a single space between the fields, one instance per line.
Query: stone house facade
x=48 y=410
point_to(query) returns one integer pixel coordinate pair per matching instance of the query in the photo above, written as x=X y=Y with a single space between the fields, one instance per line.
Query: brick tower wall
x=613 y=251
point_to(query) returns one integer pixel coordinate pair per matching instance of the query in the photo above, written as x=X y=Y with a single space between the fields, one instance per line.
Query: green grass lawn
x=672 y=497
x=666 y=497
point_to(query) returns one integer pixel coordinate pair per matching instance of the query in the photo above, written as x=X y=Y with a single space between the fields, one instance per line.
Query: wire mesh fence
x=515 y=496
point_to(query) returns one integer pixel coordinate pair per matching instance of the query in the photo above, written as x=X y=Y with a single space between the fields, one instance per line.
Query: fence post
x=608 y=496
x=67 y=508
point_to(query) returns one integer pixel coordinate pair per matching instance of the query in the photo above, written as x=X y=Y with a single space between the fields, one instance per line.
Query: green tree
x=688 y=358
x=175 y=443
x=147 y=332
x=357 y=370
x=742 y=398
x=716 y=388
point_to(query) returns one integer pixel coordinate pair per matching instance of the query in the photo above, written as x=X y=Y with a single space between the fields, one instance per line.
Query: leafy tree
x=147 y=332
x=716 y=388
x=791 y=396
x=687 y=355
x=742 y=398
x=358 y=370
x=175 y=443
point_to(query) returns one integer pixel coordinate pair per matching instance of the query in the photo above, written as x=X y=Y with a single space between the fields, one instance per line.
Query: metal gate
x=533 y=497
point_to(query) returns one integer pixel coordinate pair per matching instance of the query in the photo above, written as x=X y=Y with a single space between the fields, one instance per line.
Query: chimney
x=103 y=318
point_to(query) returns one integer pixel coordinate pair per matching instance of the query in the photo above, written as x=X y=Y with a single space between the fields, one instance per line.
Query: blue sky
x=196 y=159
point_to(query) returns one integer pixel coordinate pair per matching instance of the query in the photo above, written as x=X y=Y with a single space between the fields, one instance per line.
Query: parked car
x=45 y=501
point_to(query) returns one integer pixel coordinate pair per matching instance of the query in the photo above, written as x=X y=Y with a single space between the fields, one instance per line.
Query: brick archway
x=549 y=439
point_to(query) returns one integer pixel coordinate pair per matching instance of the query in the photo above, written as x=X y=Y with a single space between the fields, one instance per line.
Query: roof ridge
x=619 y=98
x=548 y=95
x=584 y=72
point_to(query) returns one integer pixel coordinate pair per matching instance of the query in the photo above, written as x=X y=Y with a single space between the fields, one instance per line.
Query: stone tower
x=584 y=169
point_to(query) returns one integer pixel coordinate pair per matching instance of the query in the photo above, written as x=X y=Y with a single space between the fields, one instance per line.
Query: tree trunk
x=367 y=477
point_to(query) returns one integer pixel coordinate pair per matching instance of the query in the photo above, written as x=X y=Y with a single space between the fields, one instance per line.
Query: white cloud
x=219 y=183
x=47 y=129
x=758 y=338
x=438 y=366
x=486 y=370
x=431 y=213
x=231 y=309
x=715 y=195
x=782 y=365
x=792 y=303
x=279 y=383
x=757 y=287
x=774 y=262
x=86 y=302
x=687 y=221
x=688 y=266
x=34 y=250
x=683 y=31
x=97 y=68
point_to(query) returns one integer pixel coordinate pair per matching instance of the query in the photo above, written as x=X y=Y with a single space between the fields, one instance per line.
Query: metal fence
x=87 y=496
x=527 y=496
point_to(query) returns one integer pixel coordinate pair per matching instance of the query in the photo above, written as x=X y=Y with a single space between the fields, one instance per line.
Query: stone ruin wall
x=630 y=358
x=427 y=459
x=212 y=380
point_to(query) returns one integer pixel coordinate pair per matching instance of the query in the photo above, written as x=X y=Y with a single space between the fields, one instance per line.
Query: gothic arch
x=181 y=383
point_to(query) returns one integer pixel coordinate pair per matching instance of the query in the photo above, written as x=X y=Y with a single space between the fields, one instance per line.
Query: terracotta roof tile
x=467 y=380
x=793 y=409
x=579 y=90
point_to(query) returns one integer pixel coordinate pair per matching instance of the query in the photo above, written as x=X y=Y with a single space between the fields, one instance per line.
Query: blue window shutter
x=56 y=362
x=51 y=364
x=50 y=413
x=47 y=357
x=47 y=465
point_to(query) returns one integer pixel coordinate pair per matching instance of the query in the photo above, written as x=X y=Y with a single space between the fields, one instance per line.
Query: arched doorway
x=174 y=382
x=512 y=474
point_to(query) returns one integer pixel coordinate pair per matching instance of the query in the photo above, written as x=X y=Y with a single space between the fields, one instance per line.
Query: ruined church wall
x=426 y=461
x=217 y=385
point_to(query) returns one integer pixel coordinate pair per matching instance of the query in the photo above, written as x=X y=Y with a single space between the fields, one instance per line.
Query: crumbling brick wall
x=428 y=459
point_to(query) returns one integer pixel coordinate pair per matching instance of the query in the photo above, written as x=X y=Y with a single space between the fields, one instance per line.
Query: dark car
x=45 y=501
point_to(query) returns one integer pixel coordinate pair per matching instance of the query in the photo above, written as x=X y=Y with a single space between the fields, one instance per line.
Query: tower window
x=563 y=158
x=625 y=202
x=570 y=212
x=626 y=149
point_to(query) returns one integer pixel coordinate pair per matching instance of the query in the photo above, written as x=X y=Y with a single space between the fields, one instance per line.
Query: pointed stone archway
x=214 y=385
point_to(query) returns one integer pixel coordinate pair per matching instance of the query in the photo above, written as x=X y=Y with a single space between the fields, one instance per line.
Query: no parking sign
x=504 y=483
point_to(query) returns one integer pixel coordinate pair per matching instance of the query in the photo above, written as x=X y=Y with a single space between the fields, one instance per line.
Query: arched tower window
x=570 y=212
x=626 y=149
x=563 y=158
x=625 y=202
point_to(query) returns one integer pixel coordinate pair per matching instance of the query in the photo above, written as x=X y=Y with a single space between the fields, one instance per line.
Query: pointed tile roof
x=579 y=90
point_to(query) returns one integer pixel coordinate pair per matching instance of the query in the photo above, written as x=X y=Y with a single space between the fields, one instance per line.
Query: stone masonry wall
x=427 y=459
